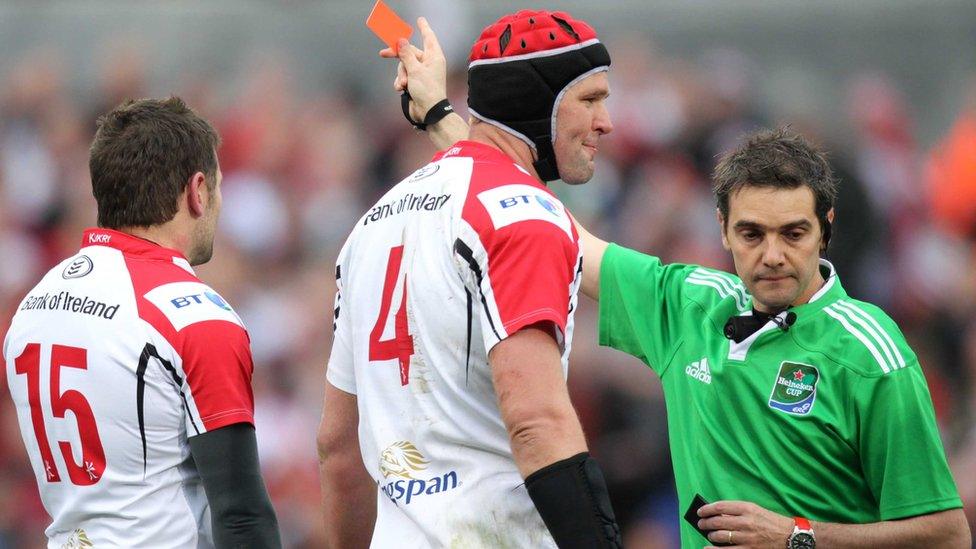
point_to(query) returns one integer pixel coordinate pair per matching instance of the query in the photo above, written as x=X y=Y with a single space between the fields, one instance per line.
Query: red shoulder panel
x=216 y=354
x=532 y=247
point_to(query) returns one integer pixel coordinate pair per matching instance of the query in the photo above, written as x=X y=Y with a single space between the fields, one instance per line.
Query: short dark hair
x=142 y=157
x=778 y=158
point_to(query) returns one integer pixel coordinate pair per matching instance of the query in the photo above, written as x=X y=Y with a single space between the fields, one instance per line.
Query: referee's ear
x=721 y=226
x=826 y=231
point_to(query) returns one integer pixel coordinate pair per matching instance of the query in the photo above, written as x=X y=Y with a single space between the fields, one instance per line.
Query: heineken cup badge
x=795 y=388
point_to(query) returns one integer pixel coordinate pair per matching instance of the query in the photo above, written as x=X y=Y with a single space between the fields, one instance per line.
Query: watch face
x=802 y=540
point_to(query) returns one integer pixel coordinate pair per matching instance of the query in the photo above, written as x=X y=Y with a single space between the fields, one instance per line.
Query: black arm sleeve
x=240 y=509
x=571 y=496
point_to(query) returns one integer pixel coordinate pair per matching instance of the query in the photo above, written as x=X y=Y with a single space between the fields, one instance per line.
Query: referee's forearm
x=943 y=529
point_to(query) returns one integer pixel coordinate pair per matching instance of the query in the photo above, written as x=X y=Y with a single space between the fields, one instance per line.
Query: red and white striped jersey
x=113 y=360
x=466 y=251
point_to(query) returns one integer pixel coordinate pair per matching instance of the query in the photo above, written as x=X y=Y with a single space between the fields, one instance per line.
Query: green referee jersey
x=830 y=420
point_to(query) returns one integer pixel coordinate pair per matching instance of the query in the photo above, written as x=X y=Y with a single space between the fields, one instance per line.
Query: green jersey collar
x=831 y=291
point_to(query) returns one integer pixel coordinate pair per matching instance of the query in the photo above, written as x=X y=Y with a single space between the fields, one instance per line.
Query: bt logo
x=516 y=200
x=196 y=299
x=548 y=204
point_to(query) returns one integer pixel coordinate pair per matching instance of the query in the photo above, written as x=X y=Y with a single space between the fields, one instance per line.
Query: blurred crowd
x=301 y=165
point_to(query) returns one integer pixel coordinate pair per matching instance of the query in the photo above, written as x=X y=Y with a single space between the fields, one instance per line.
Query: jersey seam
x=930 y=506
x=141 y=301
x=219 y=415
x=680 y=340
x=545 y=311
x=667 y=364
x=735 y=290
x=850 y=367
x=704 y=308
x=898 y=341
x=605 y=336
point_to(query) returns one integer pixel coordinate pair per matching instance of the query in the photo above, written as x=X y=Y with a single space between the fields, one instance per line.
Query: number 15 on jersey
x=92 y=454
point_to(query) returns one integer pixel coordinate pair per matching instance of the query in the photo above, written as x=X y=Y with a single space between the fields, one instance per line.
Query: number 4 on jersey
x=400 y=347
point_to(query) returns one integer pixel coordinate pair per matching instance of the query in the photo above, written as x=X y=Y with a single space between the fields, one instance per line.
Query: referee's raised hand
x=423 y=73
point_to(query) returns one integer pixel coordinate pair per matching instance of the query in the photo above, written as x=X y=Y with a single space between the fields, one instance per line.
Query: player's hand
x=752 y=526
x=421 y=72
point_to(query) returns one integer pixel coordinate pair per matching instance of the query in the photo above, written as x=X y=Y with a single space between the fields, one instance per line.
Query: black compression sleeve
x=240 y=509
x=571 y=496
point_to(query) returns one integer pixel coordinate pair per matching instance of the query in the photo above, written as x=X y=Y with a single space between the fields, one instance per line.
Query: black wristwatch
x=802 y=536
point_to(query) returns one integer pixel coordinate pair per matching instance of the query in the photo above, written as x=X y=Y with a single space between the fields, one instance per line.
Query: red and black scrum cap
x=519 y=69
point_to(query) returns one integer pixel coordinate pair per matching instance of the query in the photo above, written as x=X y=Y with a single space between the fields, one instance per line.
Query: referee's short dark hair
x=778 y=158
x=142 y=157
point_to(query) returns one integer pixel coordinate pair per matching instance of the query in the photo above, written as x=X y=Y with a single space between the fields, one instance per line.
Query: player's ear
x=722 y=227
x=196 y=187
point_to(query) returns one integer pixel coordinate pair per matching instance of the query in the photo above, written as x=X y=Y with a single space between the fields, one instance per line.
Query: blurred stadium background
x=313 y=135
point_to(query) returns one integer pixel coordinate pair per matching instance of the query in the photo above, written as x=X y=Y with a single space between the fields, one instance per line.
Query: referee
x=800 y=413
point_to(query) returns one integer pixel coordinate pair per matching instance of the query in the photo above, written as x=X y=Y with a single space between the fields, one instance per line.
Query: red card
x=386 y=24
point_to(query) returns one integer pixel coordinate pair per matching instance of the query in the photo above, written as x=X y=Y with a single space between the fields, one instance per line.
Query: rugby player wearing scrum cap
x=849 y=408
x=454 y=320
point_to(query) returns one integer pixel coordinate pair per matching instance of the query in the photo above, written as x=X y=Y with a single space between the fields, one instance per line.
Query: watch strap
x=802 y=536
x=436 y=113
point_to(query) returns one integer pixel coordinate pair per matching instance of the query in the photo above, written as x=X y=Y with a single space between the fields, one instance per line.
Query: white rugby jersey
x=114 y=359
x=454 y=259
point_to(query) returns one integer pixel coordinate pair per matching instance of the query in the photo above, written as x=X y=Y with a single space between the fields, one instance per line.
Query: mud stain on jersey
x=419 y=375
x=419 y=370
x=509 y=532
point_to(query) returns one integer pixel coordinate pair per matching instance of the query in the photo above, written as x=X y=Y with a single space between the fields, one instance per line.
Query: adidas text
x=700 y=371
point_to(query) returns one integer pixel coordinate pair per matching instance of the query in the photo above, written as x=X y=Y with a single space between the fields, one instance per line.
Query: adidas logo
x=700 y=371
